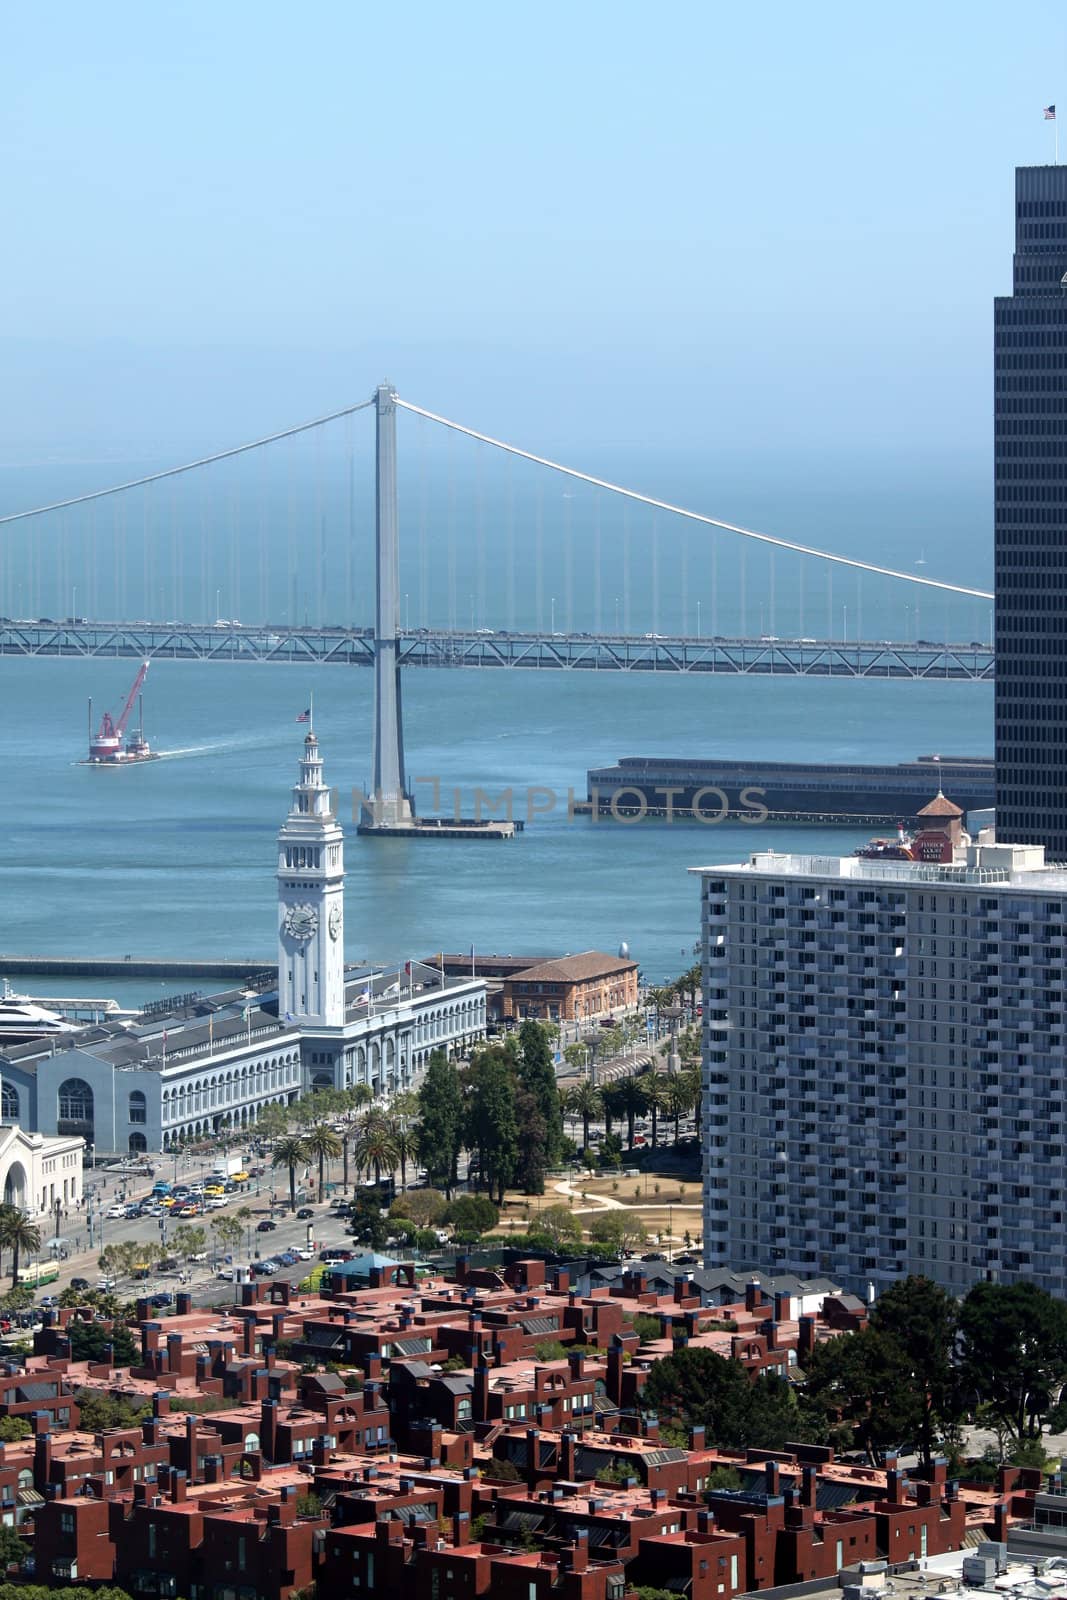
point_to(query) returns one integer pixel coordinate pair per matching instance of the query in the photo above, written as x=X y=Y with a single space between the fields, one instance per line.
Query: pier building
x=206 y=1064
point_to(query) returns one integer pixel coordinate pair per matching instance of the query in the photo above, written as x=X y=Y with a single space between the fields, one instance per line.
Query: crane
x=106 y=744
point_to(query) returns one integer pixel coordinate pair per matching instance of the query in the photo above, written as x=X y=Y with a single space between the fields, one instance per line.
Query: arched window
x=251 y=1441
x=321 y=1080
x=75 y=1106
x=9 y=1102
x=138 y=1109
x=138 y=1142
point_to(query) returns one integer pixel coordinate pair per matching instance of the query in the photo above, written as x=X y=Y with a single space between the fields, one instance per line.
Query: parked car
x=305 y=1253
x=264 y=1269
x=266 y=1226
x=304 y=1213
x=105 y=1285
x=161 y=1299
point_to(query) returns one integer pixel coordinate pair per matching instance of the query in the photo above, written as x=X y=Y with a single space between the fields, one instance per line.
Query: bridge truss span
x=500 y=651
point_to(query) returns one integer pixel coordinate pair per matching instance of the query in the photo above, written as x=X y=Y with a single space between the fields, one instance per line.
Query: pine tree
x=537 y=1075
x=440 y=1131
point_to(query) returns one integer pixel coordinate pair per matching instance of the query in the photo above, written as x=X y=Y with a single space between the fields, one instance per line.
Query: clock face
x=334 y=923
x=301 y=922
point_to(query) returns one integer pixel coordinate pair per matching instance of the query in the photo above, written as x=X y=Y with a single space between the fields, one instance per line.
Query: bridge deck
x=577 y=652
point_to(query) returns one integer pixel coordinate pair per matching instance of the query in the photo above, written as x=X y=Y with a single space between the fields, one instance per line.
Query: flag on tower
x=305 y=716
x=1050 y=113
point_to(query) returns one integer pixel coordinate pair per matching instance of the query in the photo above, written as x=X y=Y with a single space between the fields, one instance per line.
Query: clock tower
x=311 y=918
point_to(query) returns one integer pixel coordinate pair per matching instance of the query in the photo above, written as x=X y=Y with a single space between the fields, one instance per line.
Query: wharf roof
x=578 y=969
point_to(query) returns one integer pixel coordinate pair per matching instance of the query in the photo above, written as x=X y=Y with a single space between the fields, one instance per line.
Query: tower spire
x=311 y=901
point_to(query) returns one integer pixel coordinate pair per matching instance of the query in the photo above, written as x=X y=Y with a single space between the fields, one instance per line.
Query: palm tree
x=629 y=1097
x=678 y=1098
x=585 y=1100
x=321 y=1141
x=406 y=1149
x=376 y=1144
x=359 y=1095
x=290 y=1152
x=17 y=1234
x=655 y=1087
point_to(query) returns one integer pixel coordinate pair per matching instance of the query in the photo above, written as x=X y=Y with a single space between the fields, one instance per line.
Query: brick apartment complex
x=513 y=1475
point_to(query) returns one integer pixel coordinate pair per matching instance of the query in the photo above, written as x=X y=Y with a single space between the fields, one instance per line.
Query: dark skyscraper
x=1030 y=476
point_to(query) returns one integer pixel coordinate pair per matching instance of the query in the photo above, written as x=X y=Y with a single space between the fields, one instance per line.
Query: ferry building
x=205 y=1064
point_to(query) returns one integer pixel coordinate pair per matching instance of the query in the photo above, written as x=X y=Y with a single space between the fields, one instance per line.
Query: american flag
x=1050 y=113
x=305 y=716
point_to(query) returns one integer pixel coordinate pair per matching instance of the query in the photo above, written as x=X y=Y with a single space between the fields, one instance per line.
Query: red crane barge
x=106 y=748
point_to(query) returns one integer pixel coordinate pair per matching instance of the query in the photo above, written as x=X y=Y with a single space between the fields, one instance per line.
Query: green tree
x=550 y=1350
x=654 y=1088
x=12 y=1429
x=13 y=1550
x=647 y=1327
x=531 y=1162
x=228 y=1233
x=865 y=1379
x=290 y=1152
x=407 y=1146
x=560 y=1226
x=537 y=1075
x=273 y=1121
x=492 y=1126
x=678 y=1097
x=423 y=1207
x=695 y=1387
x=1013 y=1353
x=628 y=1100
x=89 y=1339
x=619 y=1230
x=376 y=1144
x=471 y=1215
x=19 y=1235
x=18 y=1298
x=922 y=1319
x=584 y=1100
x=440 y=1132
x=100 y=1411
x=322 y=1145
x=189 y=1240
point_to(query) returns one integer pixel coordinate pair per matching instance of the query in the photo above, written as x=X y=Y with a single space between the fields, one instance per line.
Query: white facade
x=311 y=903
x=36 y=1173
x=214 y=1063
x=884 y=1088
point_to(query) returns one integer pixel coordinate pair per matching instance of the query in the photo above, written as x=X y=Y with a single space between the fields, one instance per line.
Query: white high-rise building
x=884 y=1053
x=311 y=912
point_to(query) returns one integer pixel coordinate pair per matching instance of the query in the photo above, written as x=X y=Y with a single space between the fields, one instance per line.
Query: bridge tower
x=390 y=803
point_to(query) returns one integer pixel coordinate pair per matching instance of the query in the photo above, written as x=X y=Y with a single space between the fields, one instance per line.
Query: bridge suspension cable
x=188 y=466
x=693 y=516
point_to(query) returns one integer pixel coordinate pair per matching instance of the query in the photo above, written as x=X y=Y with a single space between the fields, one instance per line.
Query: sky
x=769 y=232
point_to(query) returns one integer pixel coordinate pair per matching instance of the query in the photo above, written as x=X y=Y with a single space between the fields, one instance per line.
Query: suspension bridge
x=511 y=561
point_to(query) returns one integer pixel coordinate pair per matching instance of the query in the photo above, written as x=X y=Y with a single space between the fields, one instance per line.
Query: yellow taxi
x=213 y=1190
x=240 y=1177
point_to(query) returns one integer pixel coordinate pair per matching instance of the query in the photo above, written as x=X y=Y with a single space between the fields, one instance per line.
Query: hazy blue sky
x=771 y=229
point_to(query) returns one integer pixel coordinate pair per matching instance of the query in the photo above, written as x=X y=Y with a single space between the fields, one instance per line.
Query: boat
x=22 y=1019
x=106 y=746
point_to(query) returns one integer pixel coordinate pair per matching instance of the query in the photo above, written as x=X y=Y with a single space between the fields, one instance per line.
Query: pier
x=133 y=967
